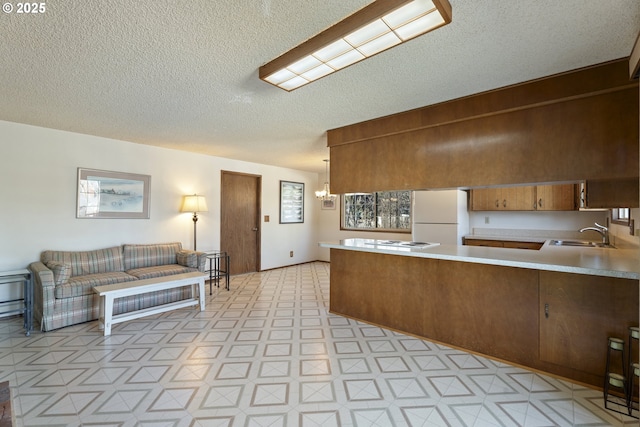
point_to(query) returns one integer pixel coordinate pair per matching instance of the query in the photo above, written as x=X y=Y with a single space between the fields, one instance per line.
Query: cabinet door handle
x=504 y=203
x=546 y=311
x=497 y=203
x=540 y=202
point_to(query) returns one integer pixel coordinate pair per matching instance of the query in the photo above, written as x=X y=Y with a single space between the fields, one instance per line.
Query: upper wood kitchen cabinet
x=618 y=193
x=525 y=198
x=560 y=197
x=485 y=199
x=503 y=199
x=570 y=127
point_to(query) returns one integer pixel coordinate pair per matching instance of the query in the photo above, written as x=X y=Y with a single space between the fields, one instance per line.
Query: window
x=382 y=211
x=620 y=216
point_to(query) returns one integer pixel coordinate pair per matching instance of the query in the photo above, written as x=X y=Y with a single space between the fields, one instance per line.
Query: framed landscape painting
x=107 y=194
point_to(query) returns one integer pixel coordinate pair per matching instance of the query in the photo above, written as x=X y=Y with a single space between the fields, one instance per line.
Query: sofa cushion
x=88 y=262
x=61 y=271
x=139 y=256
x=159 y=271
x=187 y=258
x=83 y=285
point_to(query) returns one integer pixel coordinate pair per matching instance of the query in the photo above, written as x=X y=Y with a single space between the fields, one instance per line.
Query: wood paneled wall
x=555 y=322
x=569 y=127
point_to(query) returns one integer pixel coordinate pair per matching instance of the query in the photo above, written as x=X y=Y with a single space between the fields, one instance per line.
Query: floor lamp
x=194 y=204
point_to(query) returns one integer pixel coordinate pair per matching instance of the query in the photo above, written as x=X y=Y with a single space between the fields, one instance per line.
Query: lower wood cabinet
x=503 y=244
x=487 y=309
x=383 y=289
x=523 y=245
x=578 y=314
x=554 y=322
x=483 y=242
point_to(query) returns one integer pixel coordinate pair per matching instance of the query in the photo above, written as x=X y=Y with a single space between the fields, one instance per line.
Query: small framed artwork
x=291 y=202
x=107 y=194
x=328 y=204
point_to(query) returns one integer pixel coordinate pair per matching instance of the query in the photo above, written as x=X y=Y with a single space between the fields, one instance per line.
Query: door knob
x=254 y=229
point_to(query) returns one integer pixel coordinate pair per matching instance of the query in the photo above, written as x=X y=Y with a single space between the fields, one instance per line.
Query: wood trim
x=488 y=114
x=634 y=60
x=445 y=10
x=575 y=84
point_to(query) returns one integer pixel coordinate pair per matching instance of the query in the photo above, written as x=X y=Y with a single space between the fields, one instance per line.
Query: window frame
x=615 y=216
x=343 y=206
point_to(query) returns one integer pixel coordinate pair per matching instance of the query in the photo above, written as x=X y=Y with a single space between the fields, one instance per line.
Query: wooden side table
x=25 y=278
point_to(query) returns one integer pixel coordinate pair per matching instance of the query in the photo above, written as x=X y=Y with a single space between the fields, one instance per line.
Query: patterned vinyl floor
x=268 y=353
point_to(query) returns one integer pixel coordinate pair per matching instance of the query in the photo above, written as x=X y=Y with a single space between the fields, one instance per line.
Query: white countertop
x=623 y=263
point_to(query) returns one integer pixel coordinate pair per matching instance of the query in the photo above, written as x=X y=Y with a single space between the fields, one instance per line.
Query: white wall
x=329 y=230
x=38 y=172
x=561 y=221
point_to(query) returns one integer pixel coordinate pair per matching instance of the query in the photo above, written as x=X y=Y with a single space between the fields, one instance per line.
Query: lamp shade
x=194 y=204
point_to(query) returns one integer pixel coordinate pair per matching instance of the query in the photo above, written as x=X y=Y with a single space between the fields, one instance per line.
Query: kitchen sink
x=579 y=243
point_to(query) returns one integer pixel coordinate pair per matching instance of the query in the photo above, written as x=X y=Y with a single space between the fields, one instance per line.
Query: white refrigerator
x=440 y=216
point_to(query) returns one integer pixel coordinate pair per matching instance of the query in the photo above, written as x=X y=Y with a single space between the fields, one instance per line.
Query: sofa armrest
x=202 y=261
x=43 y=294
x=42 y=274
x=193 y=259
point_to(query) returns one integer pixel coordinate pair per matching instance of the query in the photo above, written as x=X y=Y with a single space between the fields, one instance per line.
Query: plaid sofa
x=64 y=280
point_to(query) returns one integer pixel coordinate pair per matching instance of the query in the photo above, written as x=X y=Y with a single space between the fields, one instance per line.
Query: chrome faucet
x=604 y=232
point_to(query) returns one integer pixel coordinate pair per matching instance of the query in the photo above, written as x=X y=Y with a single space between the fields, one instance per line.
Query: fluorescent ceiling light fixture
x=371 y=30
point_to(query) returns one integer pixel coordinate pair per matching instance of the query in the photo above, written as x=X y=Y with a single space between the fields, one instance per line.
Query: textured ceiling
x=184 y=74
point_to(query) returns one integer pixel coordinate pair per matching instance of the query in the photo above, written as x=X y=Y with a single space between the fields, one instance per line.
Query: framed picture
x=291 y=202
x=328 y=204
x=106 y=194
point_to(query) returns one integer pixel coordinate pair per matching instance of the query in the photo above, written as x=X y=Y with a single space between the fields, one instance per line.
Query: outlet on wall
x=291 y=254
x=487 y=220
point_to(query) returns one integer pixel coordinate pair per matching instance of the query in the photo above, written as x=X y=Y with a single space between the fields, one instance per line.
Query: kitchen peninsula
x=550 y=309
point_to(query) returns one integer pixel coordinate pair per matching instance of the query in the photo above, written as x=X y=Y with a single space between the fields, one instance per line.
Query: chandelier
x=325 y=194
